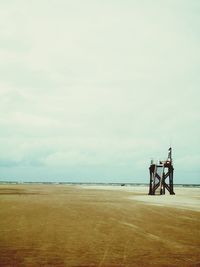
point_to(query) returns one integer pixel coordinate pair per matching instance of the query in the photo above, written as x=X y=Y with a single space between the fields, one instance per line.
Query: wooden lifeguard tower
x=161 y=176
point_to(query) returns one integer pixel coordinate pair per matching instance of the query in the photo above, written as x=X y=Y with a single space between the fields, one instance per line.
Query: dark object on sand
x=159 y=174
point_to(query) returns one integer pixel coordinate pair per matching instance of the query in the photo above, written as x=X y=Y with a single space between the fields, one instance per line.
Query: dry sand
x=98 y=226
x=185 y=197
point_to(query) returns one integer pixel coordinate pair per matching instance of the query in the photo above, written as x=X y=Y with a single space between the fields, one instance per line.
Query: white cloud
x=98 y=83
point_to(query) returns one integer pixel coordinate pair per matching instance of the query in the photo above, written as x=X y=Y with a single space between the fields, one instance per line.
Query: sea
x=93 y=184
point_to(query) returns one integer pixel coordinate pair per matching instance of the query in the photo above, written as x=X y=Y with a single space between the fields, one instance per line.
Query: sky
x=91 y=91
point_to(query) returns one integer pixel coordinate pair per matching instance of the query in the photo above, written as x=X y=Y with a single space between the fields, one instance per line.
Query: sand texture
x=59 y=225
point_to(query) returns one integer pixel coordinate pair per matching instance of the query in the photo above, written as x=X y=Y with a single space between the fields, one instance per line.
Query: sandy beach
x=62 y=225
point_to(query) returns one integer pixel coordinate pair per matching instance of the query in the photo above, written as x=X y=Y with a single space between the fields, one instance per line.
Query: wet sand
x=58 y=225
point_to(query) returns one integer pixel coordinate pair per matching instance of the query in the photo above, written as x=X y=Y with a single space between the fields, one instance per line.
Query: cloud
x=97 y=84
x=7 y=163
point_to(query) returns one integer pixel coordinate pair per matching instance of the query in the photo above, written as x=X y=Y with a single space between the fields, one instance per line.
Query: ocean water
x=94 y=184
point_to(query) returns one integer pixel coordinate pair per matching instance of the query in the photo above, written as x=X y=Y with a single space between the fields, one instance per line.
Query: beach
x=73 y=225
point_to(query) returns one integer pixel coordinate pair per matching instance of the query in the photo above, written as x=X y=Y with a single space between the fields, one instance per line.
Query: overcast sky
x=92 y=90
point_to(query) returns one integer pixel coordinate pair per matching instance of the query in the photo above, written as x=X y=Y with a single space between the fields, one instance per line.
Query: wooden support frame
x=159 y=181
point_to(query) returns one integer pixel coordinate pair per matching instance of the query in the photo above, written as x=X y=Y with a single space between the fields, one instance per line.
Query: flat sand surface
x=185 y=197
x=59 y=225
